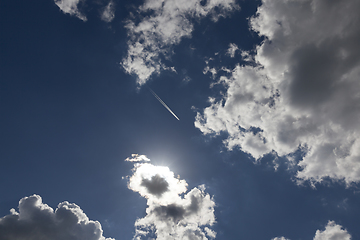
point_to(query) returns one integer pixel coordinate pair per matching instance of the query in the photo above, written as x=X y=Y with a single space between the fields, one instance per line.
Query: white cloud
x=302 y=93
x=280 y=238
x=36 y=220
x=108 y=14
x=332 y=231
x=70 y=7
x=137 y=158
x=173 y=213
x=154 y=35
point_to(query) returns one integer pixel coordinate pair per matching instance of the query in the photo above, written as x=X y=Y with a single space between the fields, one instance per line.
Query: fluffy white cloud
x=172 y=212
x=301 y=91
x=70 y=7
x=36 y=220
x=108 y=14
x=166 y=23
x=137 y=158
x=332 y=231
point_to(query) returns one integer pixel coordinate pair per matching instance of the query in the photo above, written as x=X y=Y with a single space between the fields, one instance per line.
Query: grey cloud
x=170 y=212
x=156 y=185
x=300 y=89
x=36 y=220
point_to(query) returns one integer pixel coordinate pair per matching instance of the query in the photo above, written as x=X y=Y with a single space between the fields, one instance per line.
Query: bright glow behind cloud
x=169 y=21
x=171 y=215
x=304 y=91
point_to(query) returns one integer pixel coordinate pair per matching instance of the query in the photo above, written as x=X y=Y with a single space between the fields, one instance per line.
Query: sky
x=178 y=119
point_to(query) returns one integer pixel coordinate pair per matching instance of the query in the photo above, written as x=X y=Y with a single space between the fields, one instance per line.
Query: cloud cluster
x=36 y=220
x=332 y=231
x=162 y=24
x=301 y=91
x=172 y=212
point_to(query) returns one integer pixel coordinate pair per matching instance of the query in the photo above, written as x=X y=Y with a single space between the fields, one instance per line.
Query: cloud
x=71 y=7
x=162 y=24
x=300 y=92
x=36 y=220
x=332 y=231
x=232 y=50
x=172 y=212
x=137 y=158
x=108 y=14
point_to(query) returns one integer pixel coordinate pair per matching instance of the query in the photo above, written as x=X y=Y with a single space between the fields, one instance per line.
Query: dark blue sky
x=71 y=115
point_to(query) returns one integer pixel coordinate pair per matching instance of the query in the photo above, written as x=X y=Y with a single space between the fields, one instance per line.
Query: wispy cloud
x=36 y=220
x=70 y=7
x=108 y=13
x=172 y=212
x=300 y=92
x=166 y=23
x=232 y=49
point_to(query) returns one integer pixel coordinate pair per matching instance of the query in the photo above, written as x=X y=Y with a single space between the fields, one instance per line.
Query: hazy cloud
x=172 y=212
x=232 y=49
x=108 y=13
x=300 y=92
x=162 y=24
x=36 y=220
x=70 y=7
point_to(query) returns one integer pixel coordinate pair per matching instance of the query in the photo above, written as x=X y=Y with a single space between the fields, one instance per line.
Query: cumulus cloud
x=162 y=24
x=36 y=220
x=172 y=212
x=300 y=92
x=332 y=231
x=70 y=7
x=108 y=13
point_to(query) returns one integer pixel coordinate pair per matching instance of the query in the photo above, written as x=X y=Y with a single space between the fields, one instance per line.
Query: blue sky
x=267 y=145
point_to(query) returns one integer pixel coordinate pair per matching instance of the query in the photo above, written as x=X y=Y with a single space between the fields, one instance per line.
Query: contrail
x=164 y=104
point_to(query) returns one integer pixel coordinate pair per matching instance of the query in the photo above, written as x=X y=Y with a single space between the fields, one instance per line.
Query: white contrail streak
x=164 y=104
